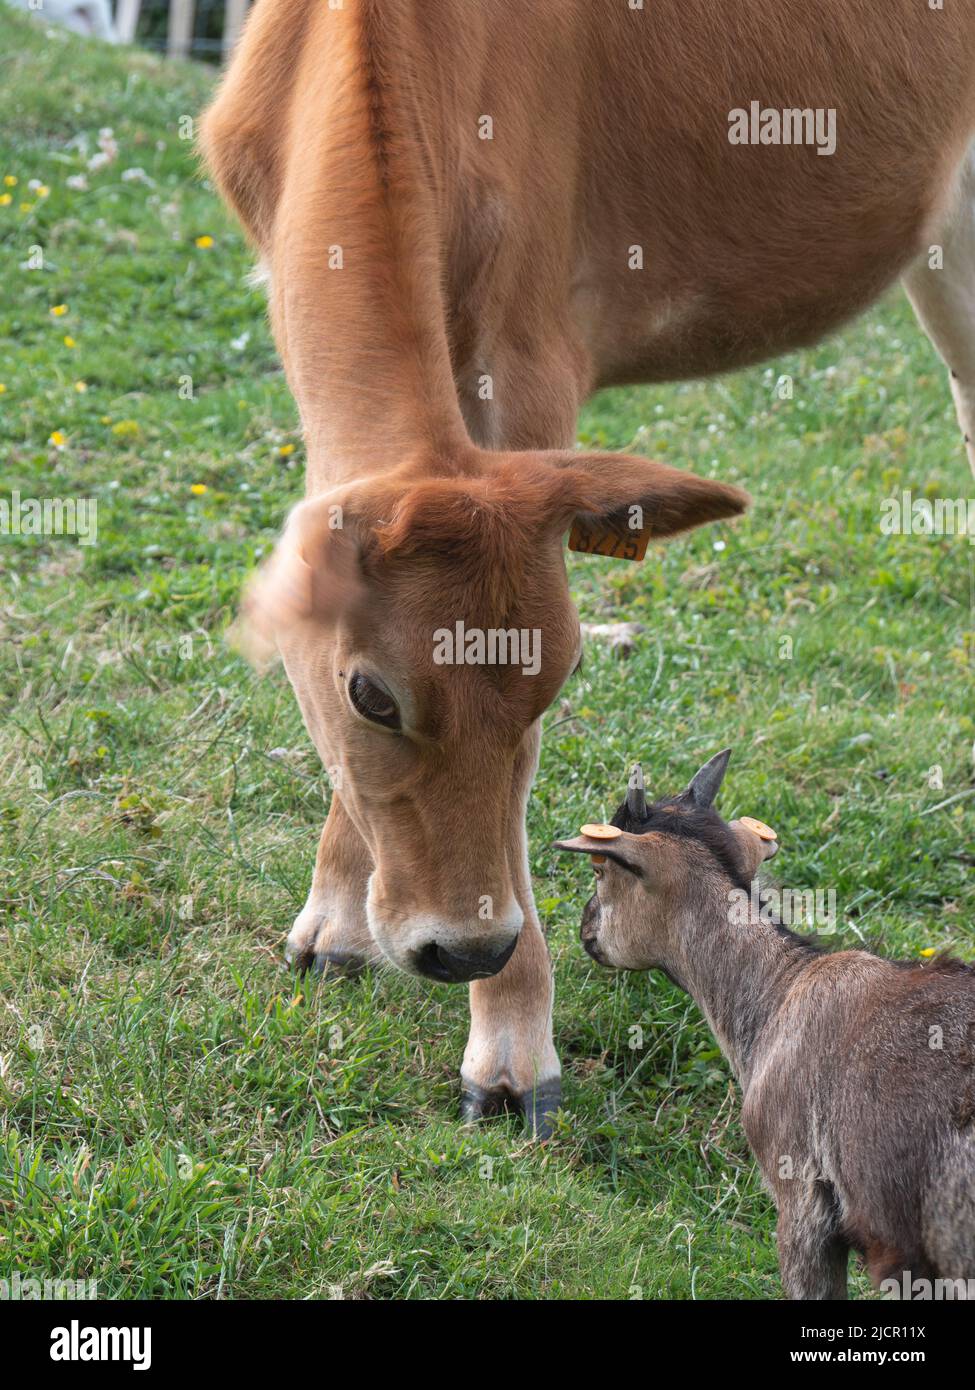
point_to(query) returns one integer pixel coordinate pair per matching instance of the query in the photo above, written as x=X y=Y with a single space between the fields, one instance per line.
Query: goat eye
x=373 y=702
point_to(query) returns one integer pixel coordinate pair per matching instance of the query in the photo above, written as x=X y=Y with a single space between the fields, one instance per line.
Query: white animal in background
x=93 y=18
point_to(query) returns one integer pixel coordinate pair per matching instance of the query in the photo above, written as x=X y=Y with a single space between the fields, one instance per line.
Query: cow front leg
x=331 y=931
x=510 y=1059
x=941 y=288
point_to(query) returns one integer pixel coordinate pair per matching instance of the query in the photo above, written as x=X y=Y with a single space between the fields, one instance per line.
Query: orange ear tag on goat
x=763 y=831
x=601 y=832
x=611 y=543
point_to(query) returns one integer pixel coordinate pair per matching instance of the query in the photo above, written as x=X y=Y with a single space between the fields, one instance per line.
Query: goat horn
x=636 y=799
x=706 y=782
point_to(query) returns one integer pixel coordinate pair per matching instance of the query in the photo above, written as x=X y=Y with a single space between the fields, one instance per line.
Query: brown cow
x=472 y=214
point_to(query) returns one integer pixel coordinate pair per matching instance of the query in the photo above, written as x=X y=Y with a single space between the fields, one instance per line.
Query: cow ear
x=632 y=495
x=314 y=573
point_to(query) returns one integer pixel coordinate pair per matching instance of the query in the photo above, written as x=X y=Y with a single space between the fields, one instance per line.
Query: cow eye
x=372 y=702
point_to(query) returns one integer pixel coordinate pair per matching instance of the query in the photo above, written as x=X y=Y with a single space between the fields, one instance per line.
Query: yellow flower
x=928 y=952
x=58 y=439
x=204 y=242
x=2 y=388
x=286 y=449
x=42 y=190
x=126 y=429
x=10 y=181
x=198 y=489
x=81 y=386
x=5 y=198
x=106 y=419
x=59 y=310
x=69 y=341
x=26 y=207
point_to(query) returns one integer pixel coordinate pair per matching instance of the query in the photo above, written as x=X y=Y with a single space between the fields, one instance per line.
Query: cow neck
x=356 y=283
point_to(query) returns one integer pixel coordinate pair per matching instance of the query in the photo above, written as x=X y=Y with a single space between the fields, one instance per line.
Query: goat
x=857 y=1073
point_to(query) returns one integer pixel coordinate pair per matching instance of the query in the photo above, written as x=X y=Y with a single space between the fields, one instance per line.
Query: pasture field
x=179 y=1116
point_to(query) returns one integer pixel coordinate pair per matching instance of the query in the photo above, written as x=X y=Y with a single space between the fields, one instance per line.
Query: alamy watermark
x=908 y=515
x=760 y=125
x=811 y=908
x=913 y=1290
x=493 y=646
x=21 y=1288
x=49 y=516
x=77 y=1343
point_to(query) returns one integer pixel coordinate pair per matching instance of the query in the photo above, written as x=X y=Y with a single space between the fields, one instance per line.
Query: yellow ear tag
x=763 y=831
x=601 y=832
x=616 y=544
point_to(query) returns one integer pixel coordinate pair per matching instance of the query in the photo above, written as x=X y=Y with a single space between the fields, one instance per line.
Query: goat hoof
x=538 y=1105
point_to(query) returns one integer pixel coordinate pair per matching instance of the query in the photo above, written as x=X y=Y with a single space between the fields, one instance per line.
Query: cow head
x=425 y=623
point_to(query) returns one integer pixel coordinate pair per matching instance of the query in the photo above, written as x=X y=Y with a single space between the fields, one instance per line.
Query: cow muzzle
x=452 y=966
x=450 y=951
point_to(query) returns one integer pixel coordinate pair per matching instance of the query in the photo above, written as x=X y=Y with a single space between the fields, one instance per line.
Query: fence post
x=180 y=28
x=233 y=21
x=127 y=19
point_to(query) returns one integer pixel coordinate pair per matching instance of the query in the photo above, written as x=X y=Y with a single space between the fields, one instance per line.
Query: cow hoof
x=333 y=962
x=538 y=1105
x=338 y=963
x=299 y=959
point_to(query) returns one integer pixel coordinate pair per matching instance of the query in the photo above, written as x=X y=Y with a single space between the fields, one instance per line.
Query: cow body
x=608 y=131
x=473 y=213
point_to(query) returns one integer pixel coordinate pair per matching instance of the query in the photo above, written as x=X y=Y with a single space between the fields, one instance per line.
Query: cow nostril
x=458 y=967
x=427 y=961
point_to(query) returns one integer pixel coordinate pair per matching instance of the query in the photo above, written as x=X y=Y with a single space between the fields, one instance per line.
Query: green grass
x=179 y=1116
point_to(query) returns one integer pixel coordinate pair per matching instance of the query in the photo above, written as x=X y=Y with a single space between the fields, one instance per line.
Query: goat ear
x=314 y=572
x=621 y=850
x=706 y=782
x=636 y=496
x=754 y=849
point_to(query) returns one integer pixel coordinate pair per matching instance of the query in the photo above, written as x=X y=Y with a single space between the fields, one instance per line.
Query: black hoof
x=339 y=963
x=477 y=1104
x=298 y=961
x=324 y=962
x=538 y=1105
